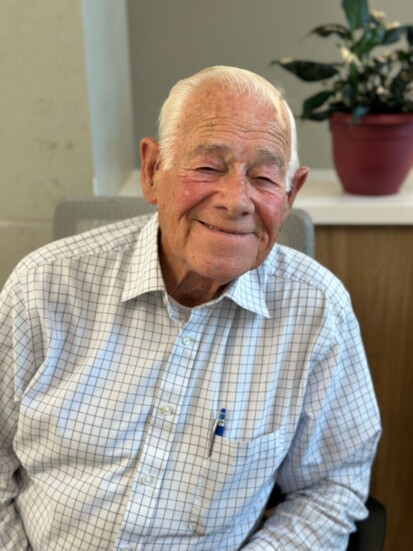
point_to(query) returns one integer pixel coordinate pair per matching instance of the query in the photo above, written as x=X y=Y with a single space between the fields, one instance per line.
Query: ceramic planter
x=374 y=156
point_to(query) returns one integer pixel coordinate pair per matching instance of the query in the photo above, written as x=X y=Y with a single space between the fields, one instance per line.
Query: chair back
x=76 y=215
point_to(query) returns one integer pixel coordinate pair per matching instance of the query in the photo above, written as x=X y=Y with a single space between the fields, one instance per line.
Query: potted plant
x=367 y=97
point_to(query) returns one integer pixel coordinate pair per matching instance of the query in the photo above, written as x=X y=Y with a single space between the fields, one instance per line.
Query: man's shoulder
x=119 y=237
x=296 y=268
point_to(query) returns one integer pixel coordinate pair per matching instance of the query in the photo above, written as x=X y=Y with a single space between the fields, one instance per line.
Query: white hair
x=237 y=80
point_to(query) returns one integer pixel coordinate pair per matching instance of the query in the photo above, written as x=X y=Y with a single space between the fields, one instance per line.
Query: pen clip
x=217 y=429
x=212 y=437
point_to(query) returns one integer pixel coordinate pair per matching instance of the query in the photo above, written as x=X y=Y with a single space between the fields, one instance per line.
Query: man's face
x=223 y=199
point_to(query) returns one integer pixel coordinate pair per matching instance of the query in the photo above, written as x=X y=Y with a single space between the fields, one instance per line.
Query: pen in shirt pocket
x=217 y=429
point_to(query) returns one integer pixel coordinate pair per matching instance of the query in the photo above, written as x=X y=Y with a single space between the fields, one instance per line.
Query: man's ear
x=150 y=156
x=297 y=183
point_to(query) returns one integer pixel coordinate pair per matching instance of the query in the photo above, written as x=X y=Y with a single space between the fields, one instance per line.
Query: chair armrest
x=370 y=531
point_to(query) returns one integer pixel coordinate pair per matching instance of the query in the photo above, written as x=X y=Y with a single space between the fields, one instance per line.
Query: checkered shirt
x=109 y=391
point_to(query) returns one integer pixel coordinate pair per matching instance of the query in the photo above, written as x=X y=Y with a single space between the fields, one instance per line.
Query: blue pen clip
x=217 y=429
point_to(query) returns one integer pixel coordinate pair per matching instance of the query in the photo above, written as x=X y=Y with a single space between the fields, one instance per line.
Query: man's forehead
x=212 y=100
x=213 y=108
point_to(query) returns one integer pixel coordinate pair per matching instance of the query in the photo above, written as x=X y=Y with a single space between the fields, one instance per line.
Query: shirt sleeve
x=12 y=534
x=326 y=472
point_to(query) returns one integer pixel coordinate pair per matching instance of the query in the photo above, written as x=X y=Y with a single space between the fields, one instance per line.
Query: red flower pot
x=374 y=156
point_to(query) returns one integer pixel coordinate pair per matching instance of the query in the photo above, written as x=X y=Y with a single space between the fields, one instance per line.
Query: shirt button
x=186 y=341
x=147 y=480
x=167 y=410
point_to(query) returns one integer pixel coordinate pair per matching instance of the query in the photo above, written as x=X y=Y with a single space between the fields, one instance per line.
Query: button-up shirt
x=109 y=393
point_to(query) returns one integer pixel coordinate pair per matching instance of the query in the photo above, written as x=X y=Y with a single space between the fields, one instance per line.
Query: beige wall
x=172 y=39
x=45 y=145
x=45 y=136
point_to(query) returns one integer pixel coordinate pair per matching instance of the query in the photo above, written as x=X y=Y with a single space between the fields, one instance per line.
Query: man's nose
x=235 y=195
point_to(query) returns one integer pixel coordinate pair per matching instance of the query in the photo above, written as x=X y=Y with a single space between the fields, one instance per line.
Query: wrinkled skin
x=223 y=199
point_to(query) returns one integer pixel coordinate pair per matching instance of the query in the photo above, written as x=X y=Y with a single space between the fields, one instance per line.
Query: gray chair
x=75 y=215
x=79 y=214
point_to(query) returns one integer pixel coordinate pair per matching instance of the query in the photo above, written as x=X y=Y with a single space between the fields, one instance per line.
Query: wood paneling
x=376 y=265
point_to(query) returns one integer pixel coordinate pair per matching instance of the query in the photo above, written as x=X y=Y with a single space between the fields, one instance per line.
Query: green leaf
x=308 y=71
x=369 y=40
x=312 y=103
x=358 y=112
x=357 y=13
x=353 y=75
x=332 y=28
x=404 y=57
x=393 y=35
x=409 y=33
x=317 y=116
x=348 y=94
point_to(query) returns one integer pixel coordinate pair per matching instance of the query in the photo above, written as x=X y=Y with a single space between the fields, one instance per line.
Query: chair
x=75 y=215
x=370 y=532
x=79 y=214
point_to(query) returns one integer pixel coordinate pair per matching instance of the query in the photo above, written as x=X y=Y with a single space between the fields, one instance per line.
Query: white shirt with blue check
x=109 y=391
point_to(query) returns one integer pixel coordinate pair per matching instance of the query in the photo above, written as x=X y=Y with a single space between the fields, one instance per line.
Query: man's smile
x=225 y=230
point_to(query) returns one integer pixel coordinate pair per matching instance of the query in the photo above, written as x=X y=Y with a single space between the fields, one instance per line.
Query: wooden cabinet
x=375 y=263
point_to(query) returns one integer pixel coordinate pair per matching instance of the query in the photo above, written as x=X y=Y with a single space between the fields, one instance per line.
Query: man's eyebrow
x=263 y=155
x=210 y=148
x=270 y=157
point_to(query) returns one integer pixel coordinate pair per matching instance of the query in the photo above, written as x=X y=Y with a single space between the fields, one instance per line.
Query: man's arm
x=12 y=535
x=326 y=472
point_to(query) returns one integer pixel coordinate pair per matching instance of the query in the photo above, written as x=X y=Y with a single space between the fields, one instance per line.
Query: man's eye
x=265 y=179
x=207 y=169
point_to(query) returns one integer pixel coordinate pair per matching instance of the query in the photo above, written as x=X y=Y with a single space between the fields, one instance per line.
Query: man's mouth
x=214 y=228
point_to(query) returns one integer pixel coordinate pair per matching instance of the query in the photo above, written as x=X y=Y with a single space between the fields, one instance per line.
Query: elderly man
x=120 y=346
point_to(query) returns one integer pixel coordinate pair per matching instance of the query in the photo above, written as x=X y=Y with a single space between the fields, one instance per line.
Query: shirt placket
x=160 y=434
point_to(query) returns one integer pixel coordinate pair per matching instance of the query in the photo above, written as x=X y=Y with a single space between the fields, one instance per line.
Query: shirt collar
x=249 y=291
x=144 y=275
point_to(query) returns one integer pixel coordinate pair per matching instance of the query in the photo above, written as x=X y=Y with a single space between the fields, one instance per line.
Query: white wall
x=45 y=151
x=109 y=88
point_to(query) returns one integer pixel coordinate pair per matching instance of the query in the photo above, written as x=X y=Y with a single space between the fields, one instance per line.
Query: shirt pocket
x=235 y=481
